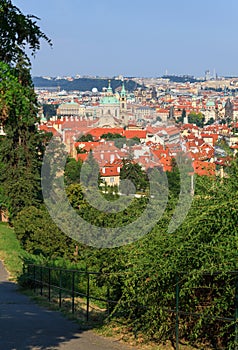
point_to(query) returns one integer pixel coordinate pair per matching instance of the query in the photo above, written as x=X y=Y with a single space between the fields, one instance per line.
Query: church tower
x=123 y=104
x=109 y=89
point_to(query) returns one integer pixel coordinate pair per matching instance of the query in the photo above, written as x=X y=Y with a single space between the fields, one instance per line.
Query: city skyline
x=135 y=38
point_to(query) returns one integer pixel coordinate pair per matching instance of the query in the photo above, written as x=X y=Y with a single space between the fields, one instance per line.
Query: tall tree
x=21 y=148
x=133 y=172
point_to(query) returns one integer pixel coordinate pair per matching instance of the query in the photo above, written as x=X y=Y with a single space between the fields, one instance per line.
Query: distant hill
x=181 y=78
x=82 y=84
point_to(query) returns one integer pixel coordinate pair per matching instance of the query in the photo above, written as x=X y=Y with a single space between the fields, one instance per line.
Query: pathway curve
x=25 y=325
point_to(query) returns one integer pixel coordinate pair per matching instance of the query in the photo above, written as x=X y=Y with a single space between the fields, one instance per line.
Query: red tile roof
x=204 y=168
x=98 y=132
x=48 y=128
x=129 y=134
x=110 y=170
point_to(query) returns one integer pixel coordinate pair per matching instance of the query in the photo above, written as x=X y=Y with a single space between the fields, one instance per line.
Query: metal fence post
x=34 y=277
x=28 y=272
x=108 y=301
x=177 y=313
x=88 y=292
x=236 y=312
x=41 y=280
x=136 y=311
x=60 y=286
x=73 y=283
x=49 y=282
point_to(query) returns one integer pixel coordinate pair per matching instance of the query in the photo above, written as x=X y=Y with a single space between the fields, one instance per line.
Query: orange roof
x=213 y=137
x=49 y=128
x=77 y=124
x=129 y=134
x=98 y=132
x=82 y=156
x=87 y=146
x=110 y=170
x=204 y=168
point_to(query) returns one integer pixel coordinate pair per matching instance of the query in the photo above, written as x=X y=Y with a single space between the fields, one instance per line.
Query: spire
x=109 y=89
x=123 y=90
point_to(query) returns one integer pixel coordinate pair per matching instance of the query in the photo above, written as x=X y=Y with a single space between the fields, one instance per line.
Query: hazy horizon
x=137 y=38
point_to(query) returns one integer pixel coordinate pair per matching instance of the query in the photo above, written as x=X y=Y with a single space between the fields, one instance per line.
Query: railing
x=63 y=284
x=58 y=284
x=231 y=319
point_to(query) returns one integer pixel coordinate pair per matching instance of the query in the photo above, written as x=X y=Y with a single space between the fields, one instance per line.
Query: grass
x=10 y=251
x=124 y=334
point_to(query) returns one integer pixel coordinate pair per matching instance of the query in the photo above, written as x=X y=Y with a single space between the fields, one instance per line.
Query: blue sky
x=136 y=37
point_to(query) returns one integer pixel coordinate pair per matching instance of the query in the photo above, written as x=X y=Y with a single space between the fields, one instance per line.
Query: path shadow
x=25 y=325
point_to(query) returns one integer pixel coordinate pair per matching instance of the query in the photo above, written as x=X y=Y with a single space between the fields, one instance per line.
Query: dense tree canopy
x=133 y=172
x=196 y=118
x=72 y=171
x=21 y=148
x=49 y=110
x=85 y=138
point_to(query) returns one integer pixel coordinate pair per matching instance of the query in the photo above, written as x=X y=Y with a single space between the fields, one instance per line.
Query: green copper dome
x=210 y=103
x=109 y=100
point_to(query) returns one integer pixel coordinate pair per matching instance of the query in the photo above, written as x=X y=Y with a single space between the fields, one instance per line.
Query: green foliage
x=174 y=179
x=22 y=148
x=90 y=177
x=85 y=138
x=111 y=136
x=10 y=250
x=183 y=114
x=72 y=171
x=39 y=235
x=182 y=117
x=196 y=118
x=75 y=195
x=210 y=121
x=49 y=110
x=133 y=172
x=142 y=276
x=18 y=32
x=206 y=242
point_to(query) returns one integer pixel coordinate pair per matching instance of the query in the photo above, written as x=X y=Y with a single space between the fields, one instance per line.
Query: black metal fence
x=80 y=289
x=208 y=292
x=73 y=287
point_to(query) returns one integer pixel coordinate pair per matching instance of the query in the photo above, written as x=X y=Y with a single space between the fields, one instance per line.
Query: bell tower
x=123 y=104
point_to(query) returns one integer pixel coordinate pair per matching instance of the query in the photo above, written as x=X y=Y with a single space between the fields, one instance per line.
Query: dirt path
x=25 y=325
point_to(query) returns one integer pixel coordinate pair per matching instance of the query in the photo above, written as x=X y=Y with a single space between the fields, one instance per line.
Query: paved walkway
x=25 y=325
